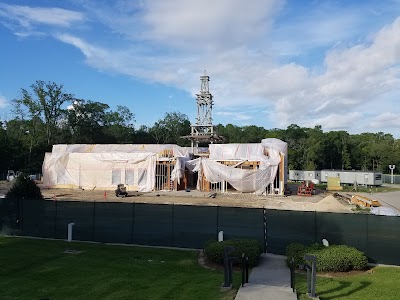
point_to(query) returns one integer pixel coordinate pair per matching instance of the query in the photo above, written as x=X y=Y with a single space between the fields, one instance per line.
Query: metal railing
x=311 y=275
x=292 y=275
x=245 y=269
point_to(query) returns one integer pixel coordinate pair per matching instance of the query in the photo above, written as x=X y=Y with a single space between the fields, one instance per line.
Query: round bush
x=297 y=251
x=339 y=258
x=214 y=250
x=335 y=258
x=24 y=188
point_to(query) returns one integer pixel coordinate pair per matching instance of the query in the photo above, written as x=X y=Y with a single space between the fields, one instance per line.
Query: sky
x=271 y=63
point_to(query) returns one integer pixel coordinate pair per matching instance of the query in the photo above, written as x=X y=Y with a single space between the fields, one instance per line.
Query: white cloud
x=335 y=121
x=3 y=101
x=236 y=116
x=241 y=46
x=386 y=120
x=352 y=77
x=208 y=24
x=23 y=19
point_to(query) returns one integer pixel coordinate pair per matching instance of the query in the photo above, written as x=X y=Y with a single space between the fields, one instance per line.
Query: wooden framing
x=277 y=187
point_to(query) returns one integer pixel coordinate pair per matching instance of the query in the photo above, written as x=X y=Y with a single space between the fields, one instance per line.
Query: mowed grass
x=39 y=269
x=382 y=283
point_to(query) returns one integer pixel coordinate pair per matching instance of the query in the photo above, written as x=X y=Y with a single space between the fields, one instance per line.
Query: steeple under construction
x=203 y=130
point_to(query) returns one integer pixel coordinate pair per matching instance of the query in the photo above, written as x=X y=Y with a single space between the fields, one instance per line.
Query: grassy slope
x=382 y=283
x=37 y=269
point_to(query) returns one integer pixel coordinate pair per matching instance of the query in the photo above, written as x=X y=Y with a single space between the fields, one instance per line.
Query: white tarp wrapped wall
x=105 y=166
x=268 y=154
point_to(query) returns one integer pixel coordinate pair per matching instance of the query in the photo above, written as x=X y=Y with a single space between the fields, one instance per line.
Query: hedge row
x=335 y=258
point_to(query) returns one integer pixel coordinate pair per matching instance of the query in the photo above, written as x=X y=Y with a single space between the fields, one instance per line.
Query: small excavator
x=121 y=191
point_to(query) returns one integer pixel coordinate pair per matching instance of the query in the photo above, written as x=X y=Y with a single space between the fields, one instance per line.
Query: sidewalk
x=269 y=280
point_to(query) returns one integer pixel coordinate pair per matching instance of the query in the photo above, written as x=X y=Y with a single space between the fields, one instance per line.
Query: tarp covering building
x=144 y=168
x=105 y=166
x=224 y=160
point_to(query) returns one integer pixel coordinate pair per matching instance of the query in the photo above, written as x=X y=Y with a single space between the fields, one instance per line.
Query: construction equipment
x=364 y=201
x=306 y=189
x=121 y=191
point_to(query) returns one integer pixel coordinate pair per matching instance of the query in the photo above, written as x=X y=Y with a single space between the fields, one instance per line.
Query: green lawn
x=38 y=269
x=382 y=283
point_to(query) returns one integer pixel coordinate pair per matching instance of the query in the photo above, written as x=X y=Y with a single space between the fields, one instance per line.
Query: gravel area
x=322 y=201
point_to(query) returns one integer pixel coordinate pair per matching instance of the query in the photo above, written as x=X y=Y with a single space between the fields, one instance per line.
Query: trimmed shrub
x=214 y=250
x=335 y=258
x=24 y=188
x=297 y=251
x=339 y=258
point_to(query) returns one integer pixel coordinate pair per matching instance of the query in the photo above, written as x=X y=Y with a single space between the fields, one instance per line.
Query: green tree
x=253 y=134
x=45 y=104
x=118 y=125
x=86 y=120
x=171 y=129
x=295 y=136
x=314 y=149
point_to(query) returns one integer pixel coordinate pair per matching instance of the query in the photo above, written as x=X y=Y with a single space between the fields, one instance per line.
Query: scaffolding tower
x=203 y=130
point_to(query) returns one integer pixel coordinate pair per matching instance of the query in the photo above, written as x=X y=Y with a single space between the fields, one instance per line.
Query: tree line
x=45 y=115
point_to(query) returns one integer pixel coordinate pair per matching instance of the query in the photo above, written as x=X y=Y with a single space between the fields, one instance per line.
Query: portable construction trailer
x=354 y=177
x=300 y=175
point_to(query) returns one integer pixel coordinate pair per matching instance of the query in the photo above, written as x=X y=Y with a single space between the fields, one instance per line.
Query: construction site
x=207 y=173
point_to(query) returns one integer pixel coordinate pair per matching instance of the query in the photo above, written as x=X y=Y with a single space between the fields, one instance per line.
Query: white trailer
x=300 y=175
x=352 y=177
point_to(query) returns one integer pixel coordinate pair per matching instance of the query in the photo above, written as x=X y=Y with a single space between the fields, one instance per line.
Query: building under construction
x=248 y=168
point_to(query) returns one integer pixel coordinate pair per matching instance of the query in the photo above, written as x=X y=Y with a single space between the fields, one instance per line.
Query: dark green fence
x=191 y=226
x=377 y=236
x=138 y=223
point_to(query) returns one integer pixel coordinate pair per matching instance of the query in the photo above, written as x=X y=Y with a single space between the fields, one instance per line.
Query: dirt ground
x=322 y=201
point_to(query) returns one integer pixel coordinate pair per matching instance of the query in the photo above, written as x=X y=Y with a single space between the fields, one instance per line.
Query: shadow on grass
x=343 y=285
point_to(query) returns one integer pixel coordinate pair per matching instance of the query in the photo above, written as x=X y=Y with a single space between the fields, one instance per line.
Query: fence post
x=315 y=226
x=265 y=229
x=217 y=229
x=55 y=219
x=133 y=224
x=173 y=225
x=18 y=220
x=93 y=219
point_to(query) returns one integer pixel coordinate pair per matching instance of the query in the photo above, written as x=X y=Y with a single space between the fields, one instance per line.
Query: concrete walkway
x=269 y=280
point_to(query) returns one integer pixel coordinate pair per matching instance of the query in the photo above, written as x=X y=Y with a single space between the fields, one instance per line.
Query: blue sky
x=271 y=63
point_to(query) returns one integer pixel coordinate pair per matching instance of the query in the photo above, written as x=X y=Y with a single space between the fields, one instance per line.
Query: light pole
x=392 y=167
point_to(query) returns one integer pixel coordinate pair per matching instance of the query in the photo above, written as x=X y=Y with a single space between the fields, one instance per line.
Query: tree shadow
x=344 y=285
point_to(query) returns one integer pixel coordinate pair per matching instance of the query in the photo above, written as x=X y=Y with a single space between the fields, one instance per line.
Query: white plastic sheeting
x=105 y=166
x=244 y=180
x=384 y=211
x=276 y=146
x=176 y=150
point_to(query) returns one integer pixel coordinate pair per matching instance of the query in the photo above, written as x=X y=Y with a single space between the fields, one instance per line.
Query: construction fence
x=191 y=226
x=131 y=223
x=387 y=178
